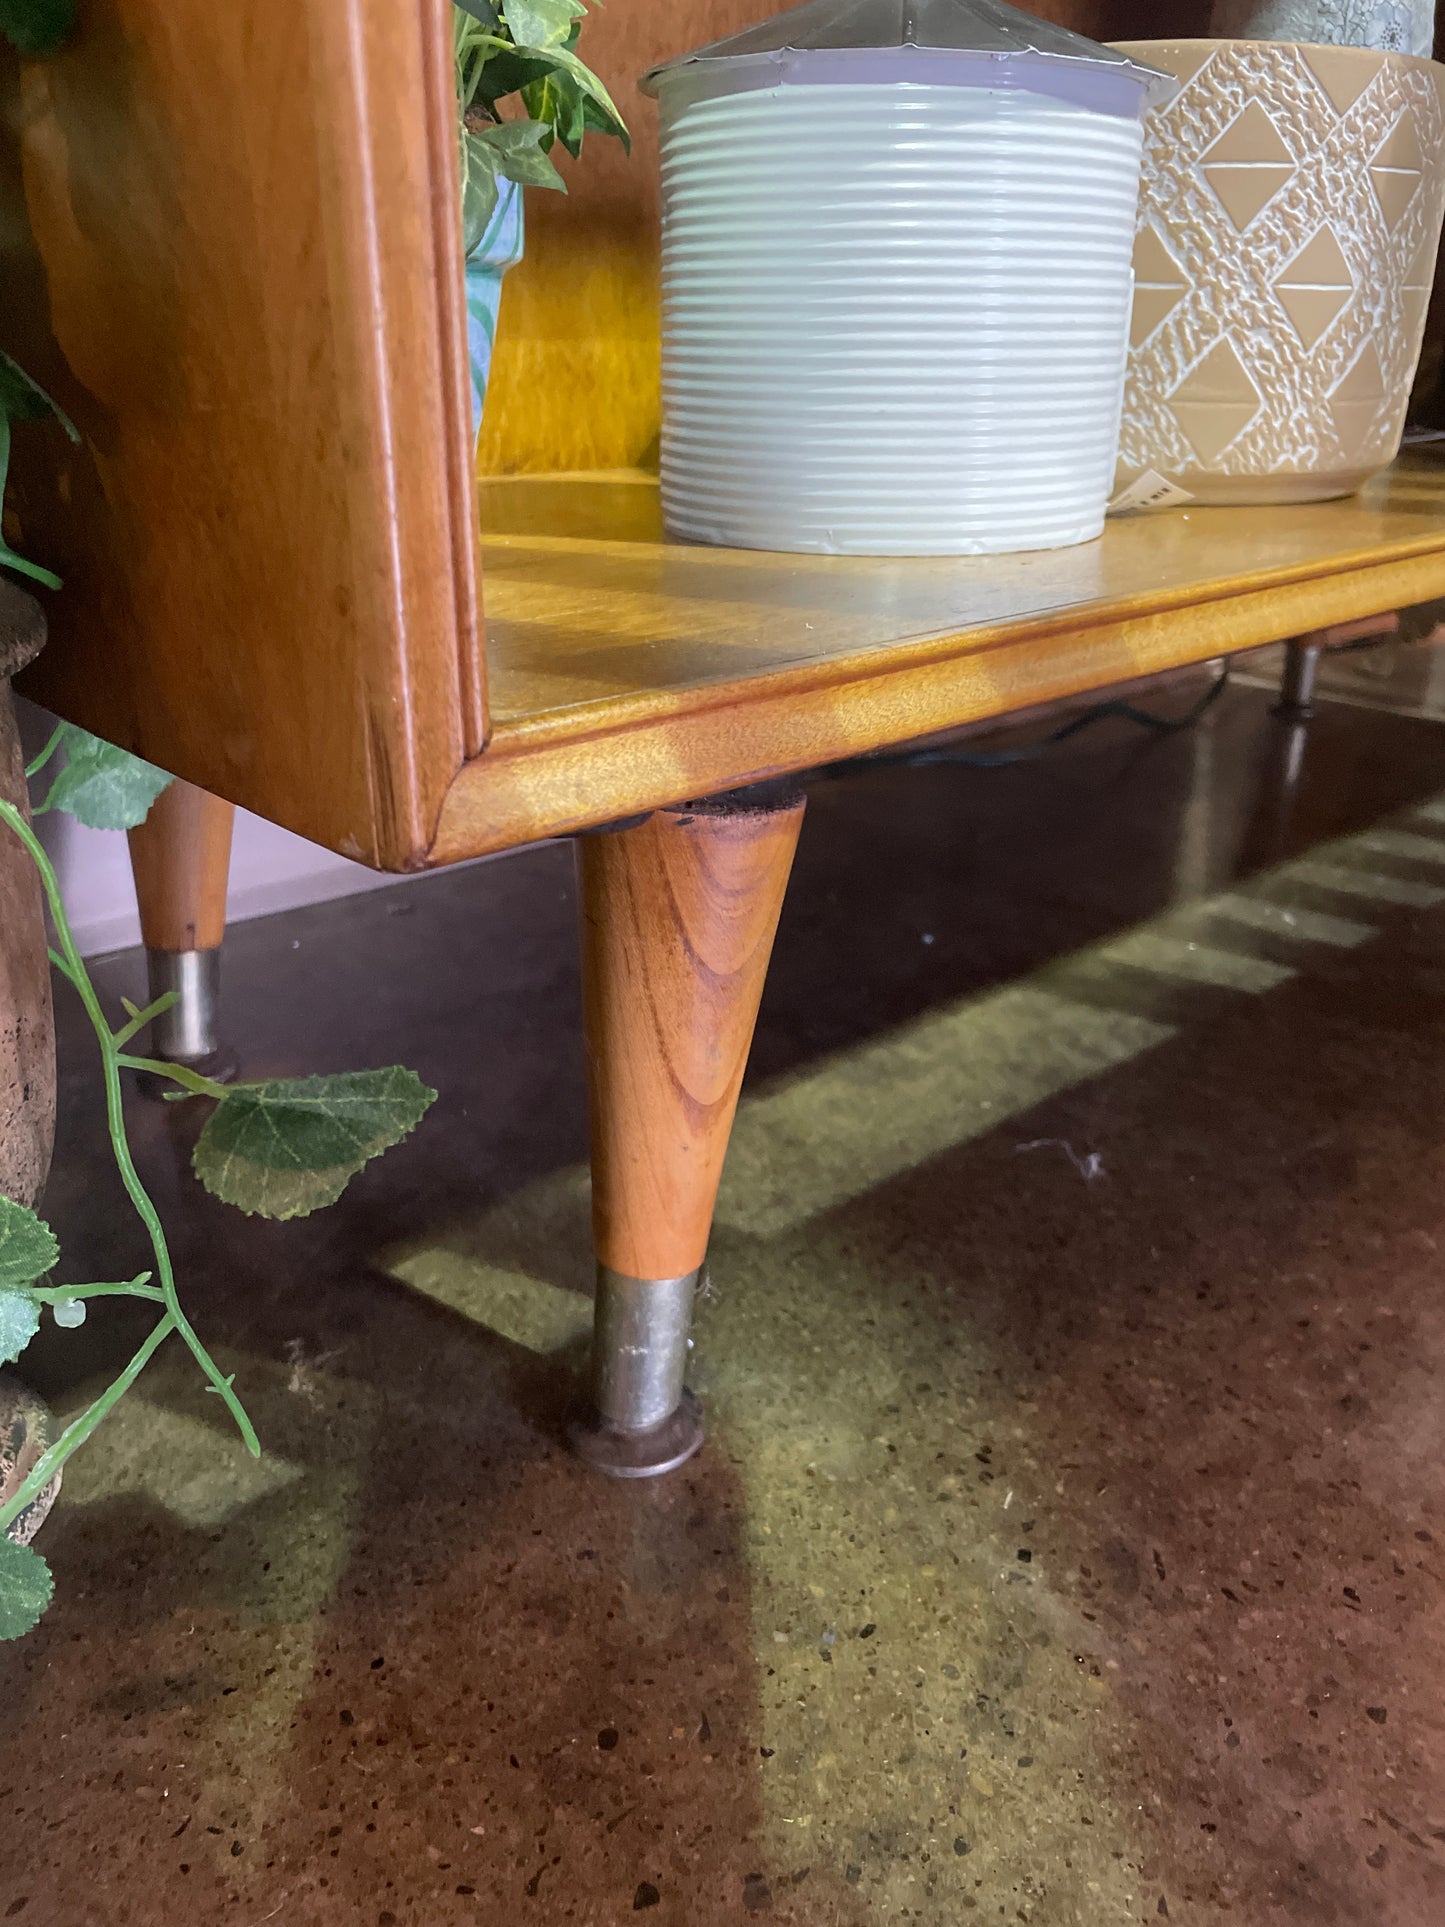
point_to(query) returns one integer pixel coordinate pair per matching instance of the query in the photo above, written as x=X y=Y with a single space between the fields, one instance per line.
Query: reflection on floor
x=1067 y=1546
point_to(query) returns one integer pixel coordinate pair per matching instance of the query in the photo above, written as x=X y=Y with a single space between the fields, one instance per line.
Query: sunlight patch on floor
x=199 y=1473
x=1192 y=962
x=1370 y=885
x=811 y=1142
x=524 y=1310
x=1399 y=843
x=1287 y=920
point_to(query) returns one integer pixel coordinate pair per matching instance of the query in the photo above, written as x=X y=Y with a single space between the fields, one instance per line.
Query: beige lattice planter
x=1289 y=221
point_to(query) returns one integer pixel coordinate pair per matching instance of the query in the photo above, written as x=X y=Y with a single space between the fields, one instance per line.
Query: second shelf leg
x=1297 y=685
x=181 y=860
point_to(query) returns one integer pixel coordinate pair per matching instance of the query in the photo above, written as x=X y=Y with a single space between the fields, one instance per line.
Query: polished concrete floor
x=1070 y=1542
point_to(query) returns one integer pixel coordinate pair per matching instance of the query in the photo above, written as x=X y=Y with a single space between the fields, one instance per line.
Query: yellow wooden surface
x=626 y=671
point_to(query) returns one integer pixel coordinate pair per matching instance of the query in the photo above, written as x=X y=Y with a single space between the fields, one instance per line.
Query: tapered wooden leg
x=678 y=917
x=181 y=860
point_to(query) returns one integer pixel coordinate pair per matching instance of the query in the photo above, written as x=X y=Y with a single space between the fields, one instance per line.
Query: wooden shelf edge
x=574 y=769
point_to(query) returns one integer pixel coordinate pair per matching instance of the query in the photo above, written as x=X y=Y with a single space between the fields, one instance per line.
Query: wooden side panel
x=575 y=380
x=231 y=243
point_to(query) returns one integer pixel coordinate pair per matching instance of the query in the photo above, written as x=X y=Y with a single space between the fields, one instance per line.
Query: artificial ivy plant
x=277 y=1149
x=522 y=52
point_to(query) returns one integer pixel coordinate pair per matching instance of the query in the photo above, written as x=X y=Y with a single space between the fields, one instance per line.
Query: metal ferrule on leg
x=187 y=1032
x=639 y=1359
x=645 y=1422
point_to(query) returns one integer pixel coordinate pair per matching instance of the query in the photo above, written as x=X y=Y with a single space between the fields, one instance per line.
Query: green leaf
x=602 y=119
x=104 y=787
x=285 y=1148
x=479 y=189
x=24 y=400
x=501 y=71
x=27 y=1246
x=568 y=62
x=507 y=69
x=26 y=1588
x=511 y=150
x=484 y=10
x=540 y=23
x=517 y=147
x=19 y=1322
x=36 y=26
x=560 y=104
x=27 y=1251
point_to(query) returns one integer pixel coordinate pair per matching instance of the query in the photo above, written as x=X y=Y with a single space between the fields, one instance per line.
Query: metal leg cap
x=640 y=1455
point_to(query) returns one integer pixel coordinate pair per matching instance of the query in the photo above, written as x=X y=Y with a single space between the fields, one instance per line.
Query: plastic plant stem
x=190 y=1081
x=33 y=768
x=140 y=1018
x=57 y=1294
x=79 y=1430
x=111 y=1061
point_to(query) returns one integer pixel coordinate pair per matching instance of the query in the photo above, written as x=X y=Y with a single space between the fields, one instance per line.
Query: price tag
x=1150 y=491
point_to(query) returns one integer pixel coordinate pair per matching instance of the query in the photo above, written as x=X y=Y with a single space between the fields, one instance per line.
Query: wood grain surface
x=233 y=254
x=181 y=860
x=678 y=917
x=629 y=672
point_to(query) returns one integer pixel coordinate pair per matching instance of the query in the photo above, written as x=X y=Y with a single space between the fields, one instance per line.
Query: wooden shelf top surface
x=627 y=671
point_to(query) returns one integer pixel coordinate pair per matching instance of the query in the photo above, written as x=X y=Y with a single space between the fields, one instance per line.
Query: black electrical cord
x=1116 y=709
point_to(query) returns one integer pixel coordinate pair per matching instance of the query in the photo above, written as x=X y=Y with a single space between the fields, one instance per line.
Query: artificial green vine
x=280 y=1148
x=285 y=1147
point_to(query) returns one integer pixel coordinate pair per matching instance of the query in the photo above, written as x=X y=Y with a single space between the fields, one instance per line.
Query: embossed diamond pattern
x=1215 y=402
x=1284 y=185
x=1395 y=170
x=1247 y=165
x=1315 y=286
x=1160 y=284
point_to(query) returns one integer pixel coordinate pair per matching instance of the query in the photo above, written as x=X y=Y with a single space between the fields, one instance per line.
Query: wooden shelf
x=236 y=262
x=628 y=671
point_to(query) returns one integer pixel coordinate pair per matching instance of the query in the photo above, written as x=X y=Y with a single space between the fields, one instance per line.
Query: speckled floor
x=1067 y=1548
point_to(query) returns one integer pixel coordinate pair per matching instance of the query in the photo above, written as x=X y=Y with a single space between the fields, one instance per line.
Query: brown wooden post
x=679 y=911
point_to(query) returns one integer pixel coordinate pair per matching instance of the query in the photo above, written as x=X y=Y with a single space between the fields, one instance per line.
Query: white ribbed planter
x=895 y=314
x=896 y=278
